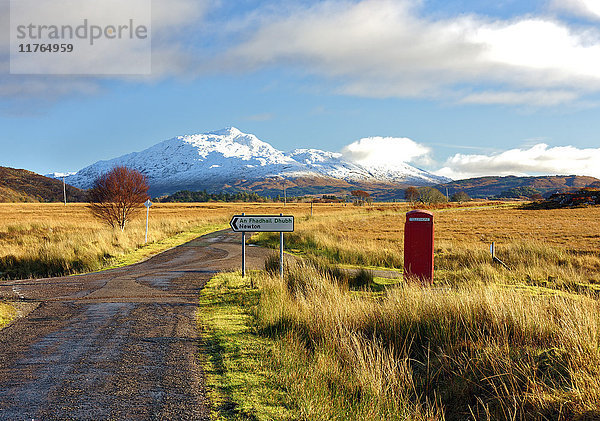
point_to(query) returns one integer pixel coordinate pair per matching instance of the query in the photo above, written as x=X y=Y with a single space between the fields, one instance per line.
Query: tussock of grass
x=491 y=344
x=7 y=314
x=421 y=354
x=355 y=278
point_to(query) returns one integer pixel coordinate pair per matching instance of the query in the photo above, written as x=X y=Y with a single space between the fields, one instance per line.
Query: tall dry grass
x=486 y=343
x=482 y=352
x=350 y=237
x=51 y=239
x=540 y=247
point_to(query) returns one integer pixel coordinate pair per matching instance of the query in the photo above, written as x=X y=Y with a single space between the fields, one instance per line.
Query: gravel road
x=118 y=344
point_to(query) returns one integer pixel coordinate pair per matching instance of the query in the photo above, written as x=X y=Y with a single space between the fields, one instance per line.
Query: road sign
x=147 y=203
x=262 y=223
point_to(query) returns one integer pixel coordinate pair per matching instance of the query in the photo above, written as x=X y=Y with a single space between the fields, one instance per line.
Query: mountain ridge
x=19 y=185
x=229 y=158
x=481 y=187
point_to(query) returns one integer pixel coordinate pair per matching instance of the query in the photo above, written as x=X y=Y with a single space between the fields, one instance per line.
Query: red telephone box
x=418 y=246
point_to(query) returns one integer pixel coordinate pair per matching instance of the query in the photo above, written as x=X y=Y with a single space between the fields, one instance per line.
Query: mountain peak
x=226 y=156
x=228 y=131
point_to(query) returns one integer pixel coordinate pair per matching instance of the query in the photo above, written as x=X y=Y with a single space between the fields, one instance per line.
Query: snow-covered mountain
x=225 y=157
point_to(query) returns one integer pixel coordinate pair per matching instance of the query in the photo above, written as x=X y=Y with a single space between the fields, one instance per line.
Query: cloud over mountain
x=386 y=151
x=536 y=160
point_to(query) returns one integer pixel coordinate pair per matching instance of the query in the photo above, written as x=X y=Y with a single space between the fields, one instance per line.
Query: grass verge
x=53 y=260
x=311 y=348
x=7 y=314
x=240 y=380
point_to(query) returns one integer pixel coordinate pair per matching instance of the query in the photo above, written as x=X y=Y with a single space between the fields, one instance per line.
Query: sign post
x=262 y=223
x=243 y=252
x=281 y=252
x=147 y=203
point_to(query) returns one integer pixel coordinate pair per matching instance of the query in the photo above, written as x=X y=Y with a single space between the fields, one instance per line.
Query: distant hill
x=25 y=186
x=494 y=186
x=578 y=198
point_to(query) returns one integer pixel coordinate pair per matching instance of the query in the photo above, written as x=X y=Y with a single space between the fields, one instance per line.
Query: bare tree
x=117 y=195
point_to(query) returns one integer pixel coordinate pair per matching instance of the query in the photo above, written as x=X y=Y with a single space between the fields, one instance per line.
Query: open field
x=51 y=239
x=486 y=343
x=544 y=247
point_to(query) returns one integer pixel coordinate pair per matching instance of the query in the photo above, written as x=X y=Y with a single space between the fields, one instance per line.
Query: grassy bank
x=479 y=351
x=491 y=343
x=240 y=379
x=310 y=348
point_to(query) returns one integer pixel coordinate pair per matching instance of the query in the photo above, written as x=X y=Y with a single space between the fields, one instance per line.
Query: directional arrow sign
x=262 y=223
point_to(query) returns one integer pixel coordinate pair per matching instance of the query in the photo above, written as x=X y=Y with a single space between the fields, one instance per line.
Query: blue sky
x=461 y=88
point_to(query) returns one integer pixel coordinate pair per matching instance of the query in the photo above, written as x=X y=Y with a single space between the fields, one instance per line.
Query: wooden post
x=147 y=216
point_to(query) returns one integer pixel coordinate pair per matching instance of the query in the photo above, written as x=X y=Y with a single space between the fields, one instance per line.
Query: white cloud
x=385 y=48
x=544 y=98
x=382 y=48
x=386 y=150
x=585 y=8
x=538 y=159
x=260 y=117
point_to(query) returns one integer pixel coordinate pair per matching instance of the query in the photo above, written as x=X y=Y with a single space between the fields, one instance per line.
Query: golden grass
x=482 y=352
x=52 y=239
x=7 y=314
x=558 y=248
x=487 y=343
x=383 y=227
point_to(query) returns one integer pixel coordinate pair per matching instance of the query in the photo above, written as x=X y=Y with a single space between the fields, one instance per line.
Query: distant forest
x=203 y=196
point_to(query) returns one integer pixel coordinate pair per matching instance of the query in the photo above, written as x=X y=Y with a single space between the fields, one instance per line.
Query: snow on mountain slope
x=203 y=160
x=329 y=163
x=224 y=154
x=334 y=165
